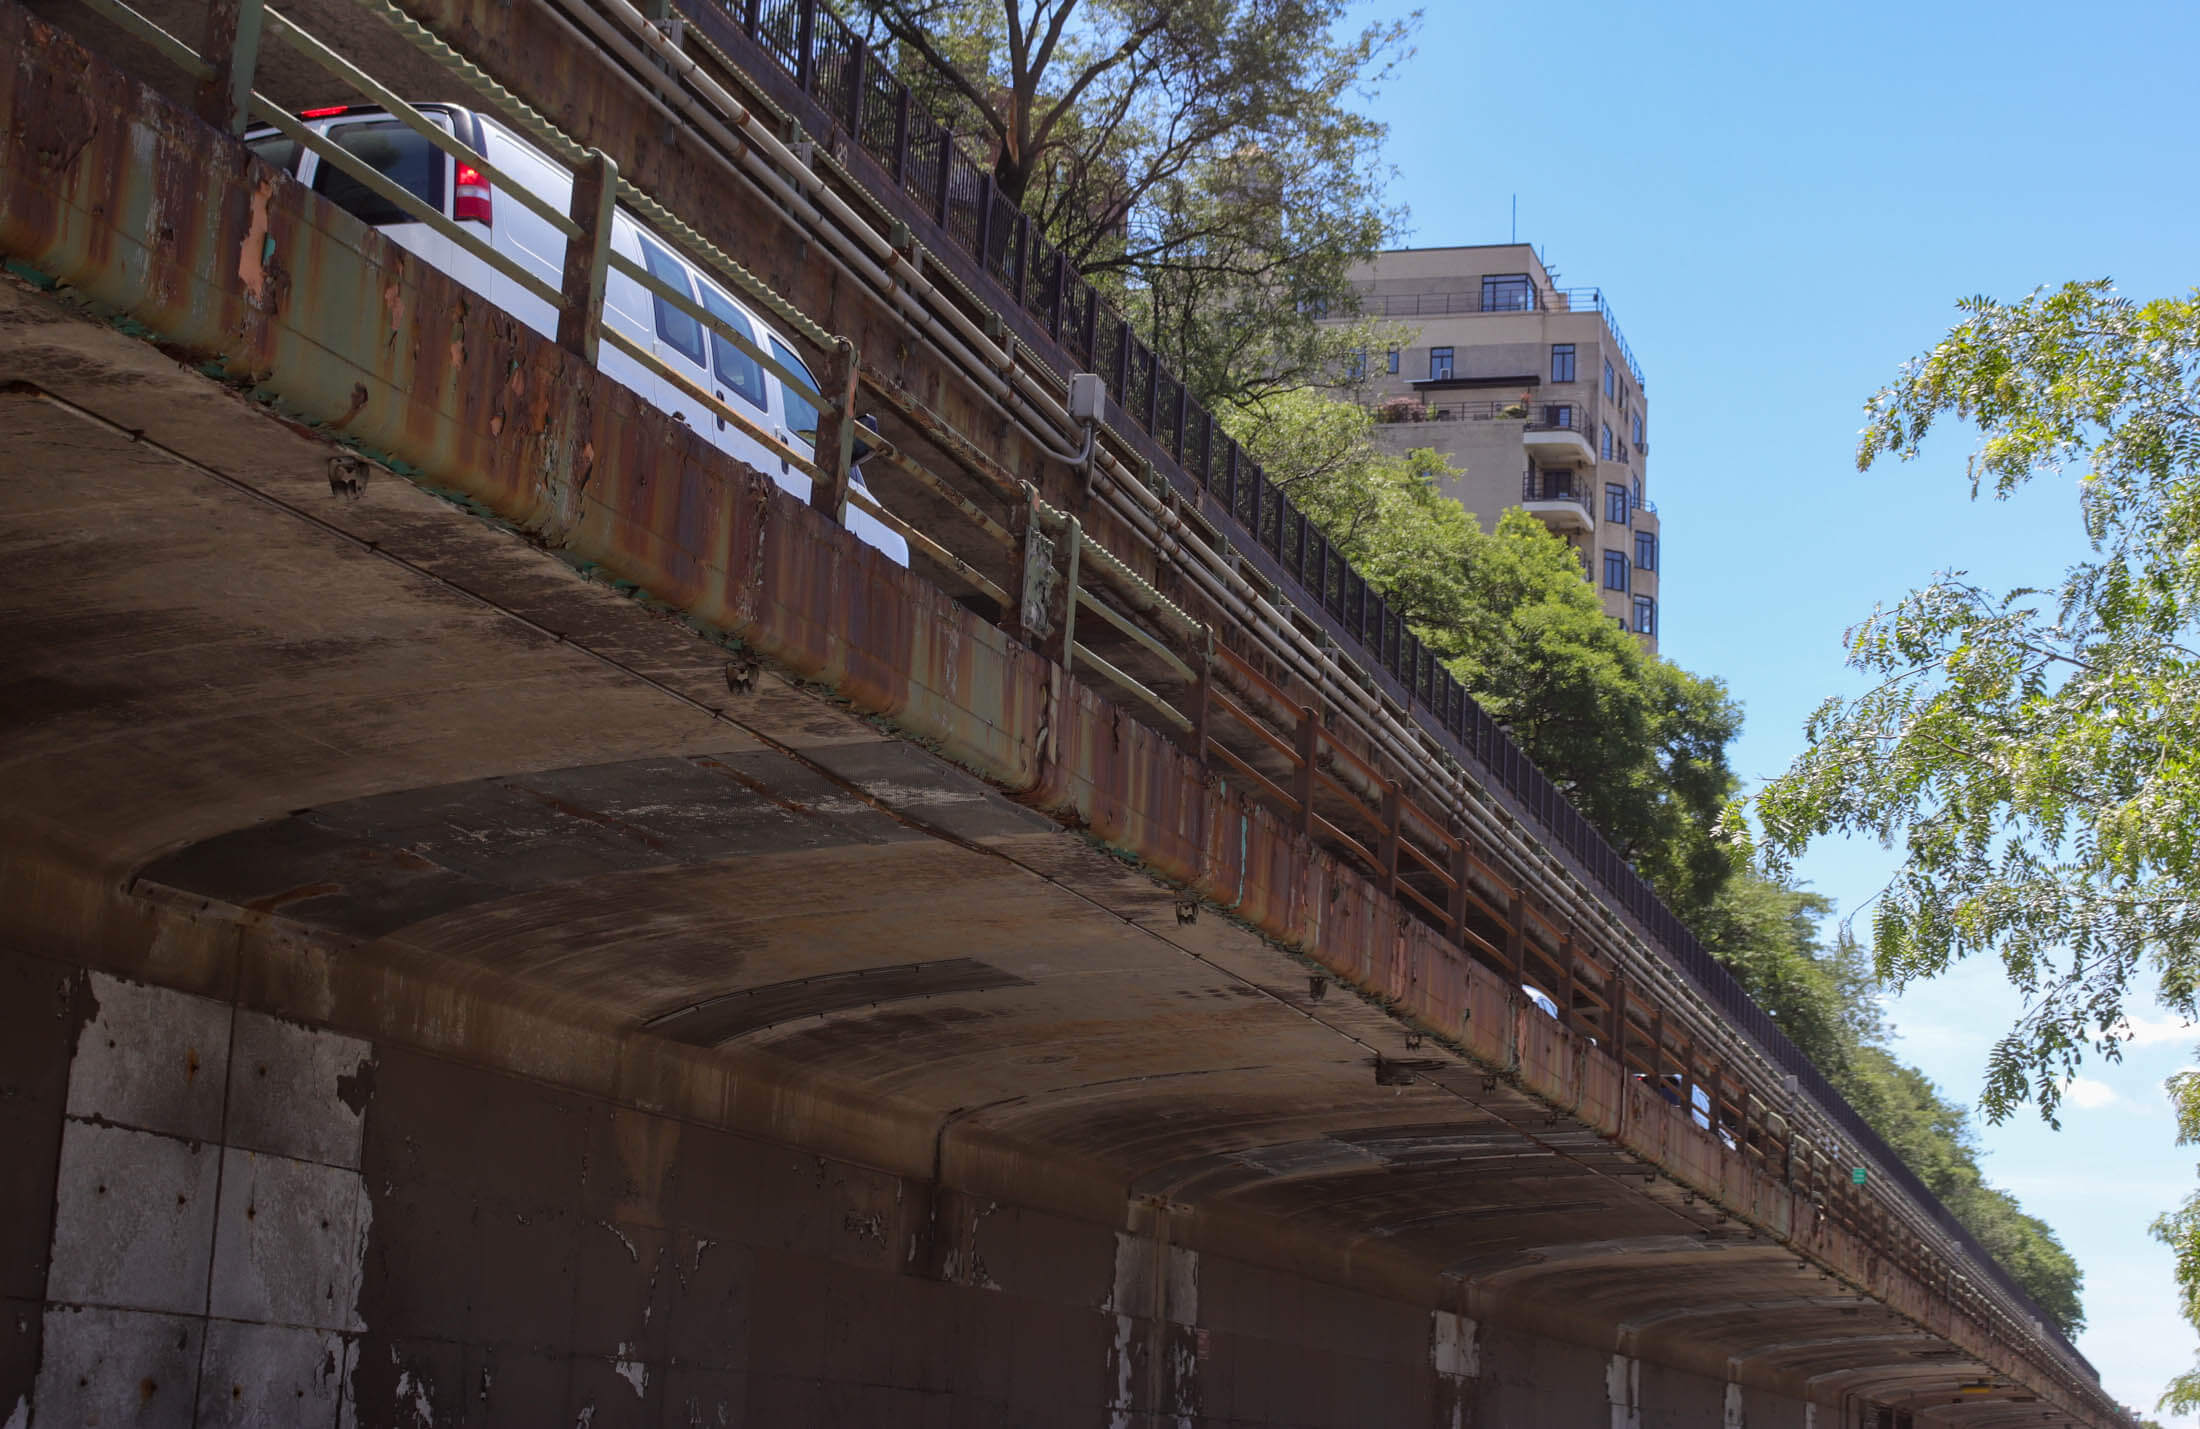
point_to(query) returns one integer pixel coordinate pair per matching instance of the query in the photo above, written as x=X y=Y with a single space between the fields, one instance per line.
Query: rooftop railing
x=1547 y=300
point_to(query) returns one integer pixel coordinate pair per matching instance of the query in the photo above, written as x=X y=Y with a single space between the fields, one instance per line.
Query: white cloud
x=2089 y=1094
x=2152 y=1031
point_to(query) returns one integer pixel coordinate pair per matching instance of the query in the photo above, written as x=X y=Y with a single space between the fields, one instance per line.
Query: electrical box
x=1087 y=397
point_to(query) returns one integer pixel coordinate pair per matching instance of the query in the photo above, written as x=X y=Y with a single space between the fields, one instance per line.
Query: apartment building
x=1531 y=389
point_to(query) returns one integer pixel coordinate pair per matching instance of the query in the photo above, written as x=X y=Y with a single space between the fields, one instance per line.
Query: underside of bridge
x=445 y=984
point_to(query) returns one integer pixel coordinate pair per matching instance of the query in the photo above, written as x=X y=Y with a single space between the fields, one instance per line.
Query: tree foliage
x=2180 y=1231
x=1636 y=742
x=1640 y=745
x=1767 y=935
x=1208 y=163
x=2034 y=752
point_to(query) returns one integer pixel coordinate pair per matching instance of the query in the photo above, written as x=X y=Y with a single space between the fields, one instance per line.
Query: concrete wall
x=210 y=1215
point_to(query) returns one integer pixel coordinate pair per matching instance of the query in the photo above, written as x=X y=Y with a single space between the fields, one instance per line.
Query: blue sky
x=1783 y=203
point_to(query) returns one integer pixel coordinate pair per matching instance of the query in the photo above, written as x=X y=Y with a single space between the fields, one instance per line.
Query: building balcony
x=1554 y=445
x=1558 y=500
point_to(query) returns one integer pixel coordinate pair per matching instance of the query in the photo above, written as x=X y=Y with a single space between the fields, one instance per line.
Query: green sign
x=1858 y=1176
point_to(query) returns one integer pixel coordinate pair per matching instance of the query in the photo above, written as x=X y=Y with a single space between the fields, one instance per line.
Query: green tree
x=2031 y=751
x=2180 y=1231
x=1638 y=743
x=1208 y=163
x=1935 y=1139
x=1767 y=935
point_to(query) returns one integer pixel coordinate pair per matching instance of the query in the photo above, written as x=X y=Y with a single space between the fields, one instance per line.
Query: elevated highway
x=512 y=918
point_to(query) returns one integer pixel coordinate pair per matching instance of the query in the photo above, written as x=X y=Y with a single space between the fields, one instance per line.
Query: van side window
x=736 y=368
x=392 y=150
x=675 y=327
x=801 y=416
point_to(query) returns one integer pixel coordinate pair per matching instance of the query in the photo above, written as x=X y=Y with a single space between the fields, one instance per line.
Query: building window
x=1615 y=570
x=1638 y=493
x=1559 y=416
x=1439 y=364
x=1607 y=426
x=1646 y=550
x=1355 y=365
x=1611 y=386
x=1507 y=293
x=1615 y=505
x=1394 y=362
x=1646 y=615
x=1562 y=362
x=1638 y=429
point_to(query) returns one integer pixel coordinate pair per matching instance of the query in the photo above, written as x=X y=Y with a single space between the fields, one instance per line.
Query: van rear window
x=276 y=148
x=395 y=152
x=736 y=368
x=679 y=330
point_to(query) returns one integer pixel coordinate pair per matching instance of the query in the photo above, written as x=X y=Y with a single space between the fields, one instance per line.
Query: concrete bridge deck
x=536 y=940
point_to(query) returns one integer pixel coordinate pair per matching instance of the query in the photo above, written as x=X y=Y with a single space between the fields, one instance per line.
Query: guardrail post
x=1035 y=576
x=941 y=180
x=829 y=497
x=901 y=135
x=1616 y=995
x=1091 y=329
x=1122 y=383
x=1516 y=939
x=1022 y=260
x=985 y=222
x=1202 y=699
x=859 y=75
x=805 y=47
x=1054 y=298
x=1393 y=806
x=1567 y=980
x=1456 y=905
x=752 y=16
x=231 y=45
x=1688 y=1074
x=588 y=257
x=1308 y=743
x=1076 y=537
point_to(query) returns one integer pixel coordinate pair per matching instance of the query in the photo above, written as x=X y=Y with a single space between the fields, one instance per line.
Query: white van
x=462 y=194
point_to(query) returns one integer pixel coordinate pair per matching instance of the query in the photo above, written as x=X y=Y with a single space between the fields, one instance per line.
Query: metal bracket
x=1036 y=602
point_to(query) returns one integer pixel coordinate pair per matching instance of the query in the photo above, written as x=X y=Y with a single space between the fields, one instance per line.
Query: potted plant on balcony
x=1517 y=408
x=1401 y=409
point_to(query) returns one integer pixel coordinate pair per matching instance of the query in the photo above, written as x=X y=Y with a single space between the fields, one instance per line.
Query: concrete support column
x=1155 y=1358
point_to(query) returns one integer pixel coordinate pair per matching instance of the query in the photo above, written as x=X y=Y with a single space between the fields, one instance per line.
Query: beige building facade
x=1531 y=389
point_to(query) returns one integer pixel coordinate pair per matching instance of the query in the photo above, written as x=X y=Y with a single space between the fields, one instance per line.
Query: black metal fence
x=856 y=93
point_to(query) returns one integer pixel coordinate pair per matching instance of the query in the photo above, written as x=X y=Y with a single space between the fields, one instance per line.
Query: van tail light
x=471 y=199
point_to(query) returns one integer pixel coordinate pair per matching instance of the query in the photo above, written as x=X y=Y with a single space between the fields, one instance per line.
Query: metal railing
x=1473 y=302
x=1535 y=416
x=1538 y=485
x=1353 y=772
